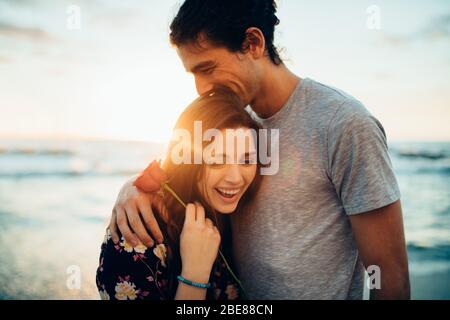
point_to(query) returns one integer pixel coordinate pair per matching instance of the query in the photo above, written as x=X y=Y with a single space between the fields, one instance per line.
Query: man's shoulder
x=342 y=113
x=330 y=97
x=333 y=106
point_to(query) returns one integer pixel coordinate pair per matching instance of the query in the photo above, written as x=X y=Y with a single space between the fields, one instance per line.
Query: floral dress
x=131 y=273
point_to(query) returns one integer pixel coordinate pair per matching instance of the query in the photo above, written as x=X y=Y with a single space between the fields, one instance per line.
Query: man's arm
x=381 y=241
x=132 y=216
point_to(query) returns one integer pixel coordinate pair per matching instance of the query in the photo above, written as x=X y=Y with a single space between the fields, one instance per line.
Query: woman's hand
x=199 y=244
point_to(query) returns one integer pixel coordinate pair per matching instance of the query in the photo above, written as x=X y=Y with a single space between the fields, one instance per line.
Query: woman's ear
x=254 y=43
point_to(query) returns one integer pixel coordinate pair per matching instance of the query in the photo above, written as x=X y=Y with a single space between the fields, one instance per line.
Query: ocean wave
x=65 y=174
x=421 y=151
x=426 y=260
x=423 y=268
x=438 y=170
x=436 y=252
x=36 y=152
x=423 y=155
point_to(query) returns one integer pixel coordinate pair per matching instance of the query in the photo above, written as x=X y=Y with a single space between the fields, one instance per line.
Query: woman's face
x=225 y=182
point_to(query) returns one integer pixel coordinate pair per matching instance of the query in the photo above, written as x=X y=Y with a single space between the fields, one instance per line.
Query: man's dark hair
x=224 y=22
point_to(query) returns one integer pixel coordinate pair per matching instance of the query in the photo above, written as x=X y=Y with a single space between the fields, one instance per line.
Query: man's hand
x=381 y=242
x=131 y=205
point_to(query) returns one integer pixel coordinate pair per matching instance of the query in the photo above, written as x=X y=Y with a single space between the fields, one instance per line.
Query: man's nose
x=202 y=85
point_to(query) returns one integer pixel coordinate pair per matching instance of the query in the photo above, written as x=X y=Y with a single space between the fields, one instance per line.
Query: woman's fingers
x=200 y=213
x=209 y=223
x=190 y=214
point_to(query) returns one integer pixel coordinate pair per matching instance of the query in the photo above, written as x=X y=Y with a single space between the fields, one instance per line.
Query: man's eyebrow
x=202 y=65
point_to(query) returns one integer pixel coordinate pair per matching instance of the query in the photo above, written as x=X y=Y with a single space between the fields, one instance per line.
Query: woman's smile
x=229 y=195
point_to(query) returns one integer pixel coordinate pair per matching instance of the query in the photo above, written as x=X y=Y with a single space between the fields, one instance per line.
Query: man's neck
x=275 y=90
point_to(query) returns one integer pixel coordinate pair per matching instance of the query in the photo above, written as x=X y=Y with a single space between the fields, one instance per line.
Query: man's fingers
x=199 y=213
x=150 y=221
x=113 y=227
x=135 y=222
x=122 y=223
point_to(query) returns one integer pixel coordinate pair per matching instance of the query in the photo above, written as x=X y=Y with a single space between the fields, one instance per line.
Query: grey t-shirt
x=296 y=241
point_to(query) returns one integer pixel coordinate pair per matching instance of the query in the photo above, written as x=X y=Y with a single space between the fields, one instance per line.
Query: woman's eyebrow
x=248 y=154
x=225 y=157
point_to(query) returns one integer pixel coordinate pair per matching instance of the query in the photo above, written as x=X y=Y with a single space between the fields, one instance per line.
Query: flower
x=126 y=246
x=161 y=252
x=107 y=236
x=217 y=292
x=104 y=295
x=125 y=290
x=231 y=292
x=152 y=178
x=140 y=248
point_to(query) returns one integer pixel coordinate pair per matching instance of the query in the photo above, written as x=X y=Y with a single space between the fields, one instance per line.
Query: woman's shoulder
x=132 y=272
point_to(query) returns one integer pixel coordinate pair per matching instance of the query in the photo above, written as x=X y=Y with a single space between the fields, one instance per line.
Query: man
x=332 y=209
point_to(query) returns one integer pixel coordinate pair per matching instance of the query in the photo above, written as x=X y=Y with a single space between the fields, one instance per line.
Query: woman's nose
x=233 y=174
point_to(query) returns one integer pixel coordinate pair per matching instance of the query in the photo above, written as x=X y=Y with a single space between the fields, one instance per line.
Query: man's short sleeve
x=358 y=161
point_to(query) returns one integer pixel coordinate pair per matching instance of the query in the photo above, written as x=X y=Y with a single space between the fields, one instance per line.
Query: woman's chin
x=226 y=209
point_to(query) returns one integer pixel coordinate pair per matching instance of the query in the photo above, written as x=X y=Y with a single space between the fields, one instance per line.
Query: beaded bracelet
x=194 y=284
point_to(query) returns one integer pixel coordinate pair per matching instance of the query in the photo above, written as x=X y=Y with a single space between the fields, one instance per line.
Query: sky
x=115 y=76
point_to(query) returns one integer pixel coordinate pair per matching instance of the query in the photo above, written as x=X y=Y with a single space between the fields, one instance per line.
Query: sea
x=56 y=198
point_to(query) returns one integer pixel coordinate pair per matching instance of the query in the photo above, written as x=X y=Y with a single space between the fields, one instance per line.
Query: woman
x=187 y=265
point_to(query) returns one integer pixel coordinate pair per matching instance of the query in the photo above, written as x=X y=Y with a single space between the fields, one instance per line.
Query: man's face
x=217 y=66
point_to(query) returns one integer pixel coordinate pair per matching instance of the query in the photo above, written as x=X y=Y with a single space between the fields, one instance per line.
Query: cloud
x=4 y=59
x=435 y=30
x=10 y=30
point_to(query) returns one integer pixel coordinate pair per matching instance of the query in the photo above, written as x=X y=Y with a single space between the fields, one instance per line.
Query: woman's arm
x=199 y=245
x=188 y=292
x=128 y=273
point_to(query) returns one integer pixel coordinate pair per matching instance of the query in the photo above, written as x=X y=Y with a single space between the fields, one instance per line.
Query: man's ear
x=254 y=43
